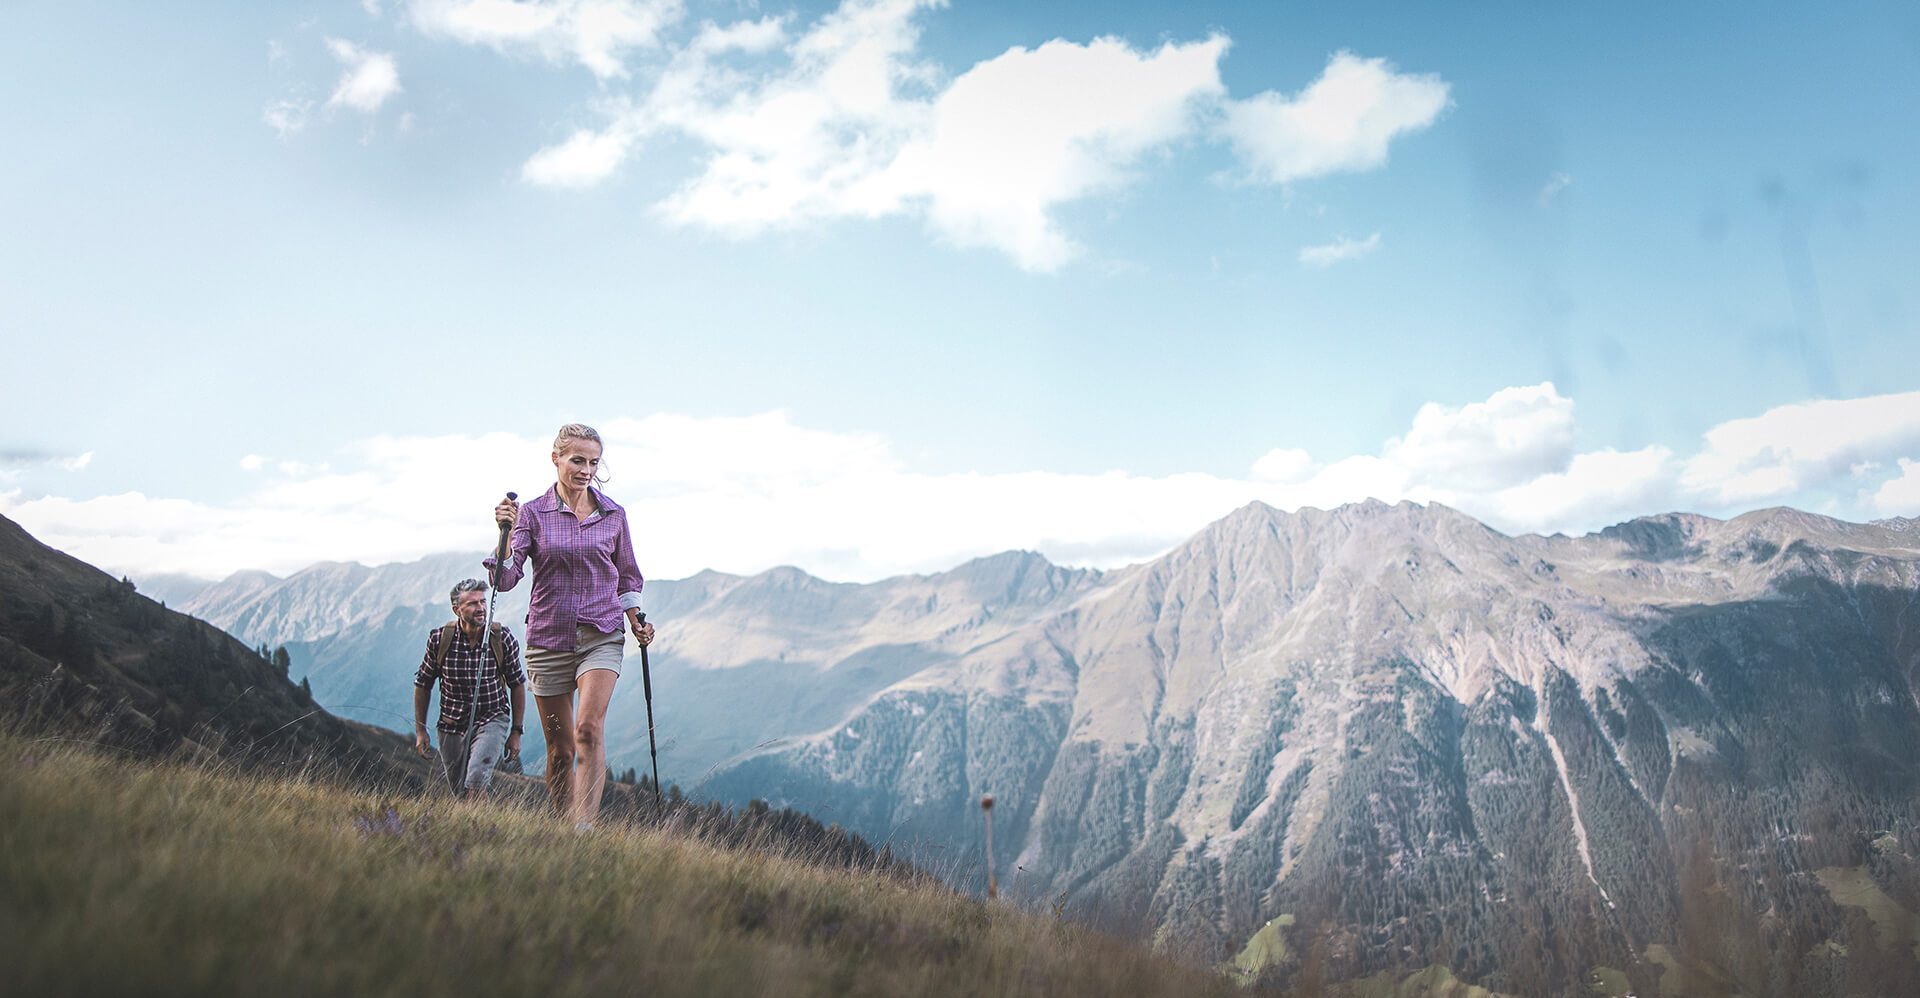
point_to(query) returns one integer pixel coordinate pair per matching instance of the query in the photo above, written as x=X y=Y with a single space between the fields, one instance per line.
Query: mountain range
x=1375 y=736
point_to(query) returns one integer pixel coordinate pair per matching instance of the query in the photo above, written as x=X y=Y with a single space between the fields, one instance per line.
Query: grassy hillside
x=130 y=876
x=81 y=652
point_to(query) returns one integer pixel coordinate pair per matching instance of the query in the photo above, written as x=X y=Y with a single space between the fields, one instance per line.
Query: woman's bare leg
x=589 y=741
x=556 y=723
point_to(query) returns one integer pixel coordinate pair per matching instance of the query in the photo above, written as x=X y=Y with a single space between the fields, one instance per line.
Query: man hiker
x=481 y=686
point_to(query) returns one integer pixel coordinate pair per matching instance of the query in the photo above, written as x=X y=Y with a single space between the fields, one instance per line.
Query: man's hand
x=642 y=633
x=421 y=744
x=513 y=747
x=507 y=513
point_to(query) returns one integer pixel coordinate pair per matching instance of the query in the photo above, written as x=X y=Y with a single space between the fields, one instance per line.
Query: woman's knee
x=588 y=734
x=559 y=752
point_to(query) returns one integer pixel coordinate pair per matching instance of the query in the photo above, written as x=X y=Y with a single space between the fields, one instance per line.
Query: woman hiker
x=584 y=581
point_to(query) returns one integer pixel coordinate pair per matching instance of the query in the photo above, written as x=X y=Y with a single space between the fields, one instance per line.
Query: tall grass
x=124 y=876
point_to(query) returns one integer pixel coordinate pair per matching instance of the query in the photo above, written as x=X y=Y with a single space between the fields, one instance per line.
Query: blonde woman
x=584 y=582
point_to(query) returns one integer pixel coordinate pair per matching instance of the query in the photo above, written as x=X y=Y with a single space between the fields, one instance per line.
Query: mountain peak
x=1663 y=536
x=1004 y=564
x=1010 y=577
x=1419 y=515
x=788 y=577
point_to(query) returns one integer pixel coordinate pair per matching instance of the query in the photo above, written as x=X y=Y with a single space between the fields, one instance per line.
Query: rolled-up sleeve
x=516 y=676
x=630 y=582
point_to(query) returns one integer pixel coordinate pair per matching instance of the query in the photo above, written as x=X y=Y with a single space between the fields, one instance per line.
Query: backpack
x=496 y=631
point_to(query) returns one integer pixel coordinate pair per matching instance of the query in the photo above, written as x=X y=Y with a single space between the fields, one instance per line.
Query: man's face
x=472 y=608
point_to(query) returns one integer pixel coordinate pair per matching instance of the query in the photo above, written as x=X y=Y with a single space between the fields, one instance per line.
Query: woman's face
x=576 y=466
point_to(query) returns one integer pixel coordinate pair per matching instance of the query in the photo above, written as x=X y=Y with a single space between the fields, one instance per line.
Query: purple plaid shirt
x=469 y=664
x=583 y=571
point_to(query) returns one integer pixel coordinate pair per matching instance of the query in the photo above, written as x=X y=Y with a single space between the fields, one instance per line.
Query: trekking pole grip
x=506 y=528
x=500 y=551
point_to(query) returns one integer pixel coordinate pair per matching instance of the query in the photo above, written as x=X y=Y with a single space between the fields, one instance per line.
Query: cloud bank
x=744 y=494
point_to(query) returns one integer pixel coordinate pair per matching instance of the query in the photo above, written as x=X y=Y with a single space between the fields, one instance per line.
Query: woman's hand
x=642 y=633
x=507 y=513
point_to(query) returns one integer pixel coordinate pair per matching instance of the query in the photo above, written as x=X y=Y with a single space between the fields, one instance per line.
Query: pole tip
x=986 y=802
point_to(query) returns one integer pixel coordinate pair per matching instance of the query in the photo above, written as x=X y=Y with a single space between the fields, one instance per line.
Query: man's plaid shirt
x=469 y=662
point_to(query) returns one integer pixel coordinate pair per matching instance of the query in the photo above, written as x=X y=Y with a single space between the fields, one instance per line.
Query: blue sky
x=272 y=274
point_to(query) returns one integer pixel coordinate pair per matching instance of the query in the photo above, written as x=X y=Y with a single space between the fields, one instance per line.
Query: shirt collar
x=549 y=501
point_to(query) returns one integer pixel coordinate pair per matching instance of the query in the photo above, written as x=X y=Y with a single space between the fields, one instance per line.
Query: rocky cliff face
x=1424 y=740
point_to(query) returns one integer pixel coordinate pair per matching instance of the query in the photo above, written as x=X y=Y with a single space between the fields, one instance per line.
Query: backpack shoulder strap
x=445 y=644
x=497 y=636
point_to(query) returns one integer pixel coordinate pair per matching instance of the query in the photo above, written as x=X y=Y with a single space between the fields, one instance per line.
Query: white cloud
x=1339 y=251
x=744 y=494
x=845 y=119
x=1282 y=464
x=1028 y=130
x=596 y=34
x=1900 y=495
x=369 y=79
x=18 y=465
x=1597 y=487
x=1794 y=447
x=287 y=116
x=1552 y=188
x=584 y=159
x=1342 y=122
x=1514 y=436
x=13 y=463
x=800 y=140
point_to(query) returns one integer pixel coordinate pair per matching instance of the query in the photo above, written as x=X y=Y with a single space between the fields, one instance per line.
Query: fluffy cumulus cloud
x=844 y=117
x=584 y=159
x=1516 y=435
x=1343 y=121
x=1900 y=495
x=745 y=494
x=1788 y=449
x=1021 y=133
x=596 y=34
x=367 y=79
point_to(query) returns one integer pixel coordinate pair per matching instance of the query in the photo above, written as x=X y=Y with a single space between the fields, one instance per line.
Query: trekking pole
x=646 y=684
x=499 y=559
x=486 y=623
x=986 y=809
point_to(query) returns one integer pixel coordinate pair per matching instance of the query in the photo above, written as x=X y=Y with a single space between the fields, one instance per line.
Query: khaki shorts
x=552 y=673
